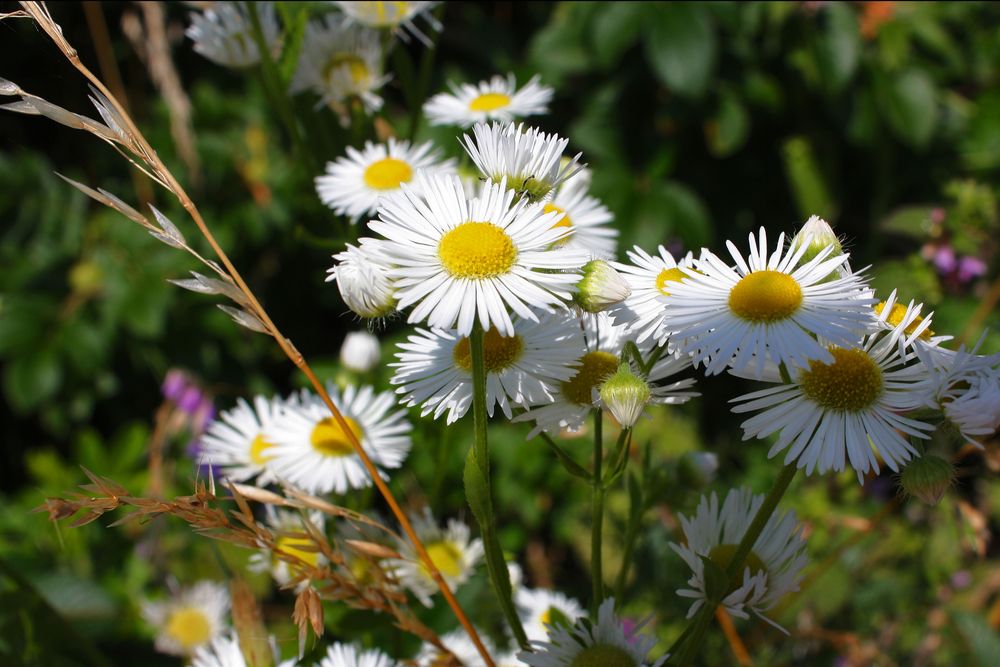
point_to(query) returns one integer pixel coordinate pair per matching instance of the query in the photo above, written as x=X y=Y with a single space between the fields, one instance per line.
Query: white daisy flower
x=398 y=16
x=348 y=655
x=890 y=313
x=604 y=643
x=237 y=443
x=295 y=546
x=434 y=369
x=458 y=644
x=362 y=276
x=224 y=34
x=453 y=258
x=965 y=386
x=528 y=159
x=360 y=351
x=496 y=99
x=650 y=278
x=766 y=307
x=452 y=551
x=224 y=651
x=771 y=570
x=589 y=219
x=189 y=619
x=541 y=609
x=338 y=61
x=844 y=410
x=354 y=184
x=598 y=360
x=313 y=452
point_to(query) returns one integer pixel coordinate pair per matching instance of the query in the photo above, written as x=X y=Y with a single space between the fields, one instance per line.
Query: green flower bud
x=625 y=394
x=928 y=478
x=601 y=287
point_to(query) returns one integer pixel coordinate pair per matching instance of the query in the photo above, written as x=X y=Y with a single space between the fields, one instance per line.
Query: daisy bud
x=928 y=478
x=360 y=351
x=625 y=395
x=363 y=280
x=601 y=287
x=817 y=234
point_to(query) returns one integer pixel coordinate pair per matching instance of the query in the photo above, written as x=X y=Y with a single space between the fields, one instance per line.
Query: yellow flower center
x=477 y=250
x=499 y=352
x=355 y=65
x=665 y=276
x=564 y=221
x=383 y=14
x=257 y=447
x=447 y=558
x=387 y=174
x=489 y=102
x=189 y=627
x=723 y=554
x=595 y=367
x=329 y=439
x=851 y=383
x=293 y=546
x=765 y=296
x=603 y=655
x=895 y=318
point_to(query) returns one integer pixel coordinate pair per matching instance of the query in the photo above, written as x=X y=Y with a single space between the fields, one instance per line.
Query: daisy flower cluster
x=294 y=440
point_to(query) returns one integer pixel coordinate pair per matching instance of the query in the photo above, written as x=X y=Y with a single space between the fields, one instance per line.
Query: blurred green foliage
x=701 y=122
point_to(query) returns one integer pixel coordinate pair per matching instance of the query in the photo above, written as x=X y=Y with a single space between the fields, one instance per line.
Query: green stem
x=482 y=505
x=631 y=536
x=597 y=505
x=735 y=568
x=275 y=88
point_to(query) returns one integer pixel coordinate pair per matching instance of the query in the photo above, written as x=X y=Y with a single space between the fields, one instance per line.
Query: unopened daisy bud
x=601 y=287
x=928 y=478
x=817 y=235
x=625 y=395
x=363 y=280
x=360 y=351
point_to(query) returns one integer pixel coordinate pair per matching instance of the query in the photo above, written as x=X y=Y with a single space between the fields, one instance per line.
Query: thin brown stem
x=40 y=13
x=735 y=643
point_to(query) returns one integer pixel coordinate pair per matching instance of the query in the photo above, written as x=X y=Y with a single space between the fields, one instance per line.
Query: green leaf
x=912 y=221
x=984 y=641
x=909 y=104
x=615 y=29
x=728 y=131
x=838 y=48
x=807 y=180
x=32 y=378
x=681 y=47
x=981 y=144
x=294 y=19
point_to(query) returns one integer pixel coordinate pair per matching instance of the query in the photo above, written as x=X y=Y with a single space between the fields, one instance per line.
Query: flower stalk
x=597 y=516
x=479 y=490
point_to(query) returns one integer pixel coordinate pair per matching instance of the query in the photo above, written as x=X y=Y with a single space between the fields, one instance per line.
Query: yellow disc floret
x=564 y=221
x=446 y=556
x=355 y=66
x=387 y=174
x=189 y=627
x=895 y=318
x=329 y=439
x=300 y=547
x=477 y=250
x=595 y=367
x=257 y=447
x=665 y=276
x=765 y=296
x=853 y=382
x=489 y=102
x=499 y=352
